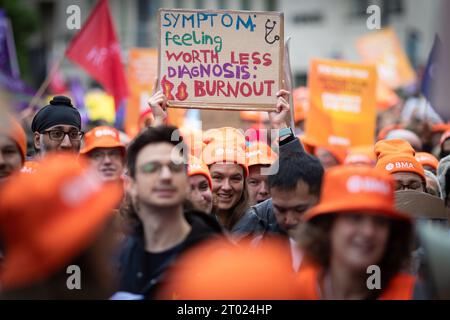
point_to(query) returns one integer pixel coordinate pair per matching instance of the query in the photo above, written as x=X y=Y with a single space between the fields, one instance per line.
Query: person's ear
x=130 y=186
x=37 y=140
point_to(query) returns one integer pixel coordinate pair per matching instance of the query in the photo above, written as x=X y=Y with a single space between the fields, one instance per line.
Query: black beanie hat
x=60 y=111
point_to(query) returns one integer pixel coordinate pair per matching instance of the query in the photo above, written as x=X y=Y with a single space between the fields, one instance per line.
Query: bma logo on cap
x=105 y=132
x=399 y=165
x=356 y=184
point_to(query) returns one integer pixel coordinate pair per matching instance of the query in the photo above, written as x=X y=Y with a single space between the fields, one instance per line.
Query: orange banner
x=342 y=103
x=384 y=49
x=142 y=72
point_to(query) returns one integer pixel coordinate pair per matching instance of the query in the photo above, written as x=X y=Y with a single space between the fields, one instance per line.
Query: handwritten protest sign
x=384 y=49
x=142 y=71
x=227 y=60
x=342 y=103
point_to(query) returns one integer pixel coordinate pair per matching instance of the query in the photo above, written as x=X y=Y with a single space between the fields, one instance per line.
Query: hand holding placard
x=278 y=119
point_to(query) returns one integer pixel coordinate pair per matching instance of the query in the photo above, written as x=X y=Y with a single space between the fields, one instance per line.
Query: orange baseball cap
x=361 y=155
x=225 y=151
x=233 y=273
x=427 y=159
x=224 y=134
x=356 y=188
x=258 y=152
x=193 y=140
x=397 y=155
x=197 y=166
x=48 y=218
x=102 y=137
x=15 y=131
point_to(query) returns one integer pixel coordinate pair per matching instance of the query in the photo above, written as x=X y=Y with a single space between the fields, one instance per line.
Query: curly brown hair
x=315 y=240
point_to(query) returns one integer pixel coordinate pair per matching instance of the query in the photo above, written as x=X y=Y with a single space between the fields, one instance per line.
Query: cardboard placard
x=384 y=49
x=217 y=59
x=142 y=72
x=342 y=103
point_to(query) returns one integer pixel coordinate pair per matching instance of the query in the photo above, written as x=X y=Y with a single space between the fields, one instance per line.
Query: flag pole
x=46 y=82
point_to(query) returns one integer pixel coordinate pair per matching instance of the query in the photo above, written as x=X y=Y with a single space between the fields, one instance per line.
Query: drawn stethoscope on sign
x=269 y=30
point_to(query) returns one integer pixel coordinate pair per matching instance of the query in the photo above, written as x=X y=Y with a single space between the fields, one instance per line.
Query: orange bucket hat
x=233 y=272
x=356 y=188
x=427 y=159
x=397 y=155
x=258 y=152
x=15 y=131
x=225 y=151
x=68 y=206
x=30 y=167
x=197 y=166
x=102 y=137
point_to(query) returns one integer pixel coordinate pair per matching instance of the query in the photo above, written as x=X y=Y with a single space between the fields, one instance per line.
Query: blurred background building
x=318 y=28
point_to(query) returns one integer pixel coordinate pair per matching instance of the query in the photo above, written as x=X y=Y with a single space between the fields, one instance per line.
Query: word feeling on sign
x=221 y=59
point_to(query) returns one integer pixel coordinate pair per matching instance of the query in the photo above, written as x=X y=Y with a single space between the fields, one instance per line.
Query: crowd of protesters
x=178 y=214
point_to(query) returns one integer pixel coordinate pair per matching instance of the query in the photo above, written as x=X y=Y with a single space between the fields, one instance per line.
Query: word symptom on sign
x=204 y=63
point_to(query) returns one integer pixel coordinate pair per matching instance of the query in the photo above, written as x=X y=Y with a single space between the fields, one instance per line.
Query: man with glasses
x=396 y=157
x=157 y=184
x=105 y=151
x=57 y=127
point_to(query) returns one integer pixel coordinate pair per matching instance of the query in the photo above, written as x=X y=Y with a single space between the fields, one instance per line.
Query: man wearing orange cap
x=259 y=156
x=105 y=151
x=200 y=194
x=13 y=147
x=157 y=184
x=356 y=226
x=397 y=158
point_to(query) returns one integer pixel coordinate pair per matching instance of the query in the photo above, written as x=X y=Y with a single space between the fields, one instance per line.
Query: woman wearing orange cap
x=357 y=241
x=226 y=162
x=200 y=195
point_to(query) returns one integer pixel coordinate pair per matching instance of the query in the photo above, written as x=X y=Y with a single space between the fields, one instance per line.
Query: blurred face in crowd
x=200 y=194
x=257 y=185
x=65 y=138
x=408 y=181
x=108 y=162
x=326 y=158
x=358 y=240
x=432 y=186
x=10 y=157
x=228 y=184
x=161 y=177
x=290 y=205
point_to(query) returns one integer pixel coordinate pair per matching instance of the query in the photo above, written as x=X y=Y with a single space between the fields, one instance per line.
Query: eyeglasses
x=99 y=155
x=58 y=135
x=154 y=166
x=412 y=186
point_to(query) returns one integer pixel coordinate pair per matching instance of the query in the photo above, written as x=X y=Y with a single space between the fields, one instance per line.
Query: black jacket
x=133 y=255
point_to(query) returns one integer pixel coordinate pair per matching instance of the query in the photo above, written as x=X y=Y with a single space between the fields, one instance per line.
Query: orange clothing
x=400 y=287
